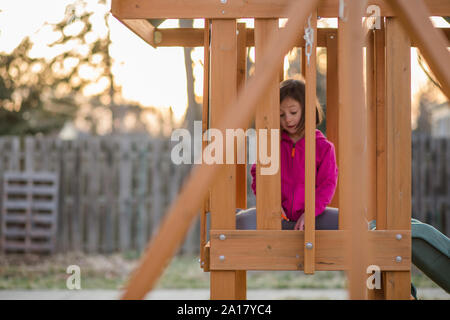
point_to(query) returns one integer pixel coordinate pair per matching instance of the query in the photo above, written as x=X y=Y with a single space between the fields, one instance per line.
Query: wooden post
x=205 y=119
x=310 y=149
x=380 y=113
x=398 y=111
x=353 y=153
x=241 y=169
x=268 y=187
x=332 y=112
x=224 y=284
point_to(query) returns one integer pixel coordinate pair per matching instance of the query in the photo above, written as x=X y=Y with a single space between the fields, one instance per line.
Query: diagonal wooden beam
x=185 y=208
x=142 y=28
x=432 y=43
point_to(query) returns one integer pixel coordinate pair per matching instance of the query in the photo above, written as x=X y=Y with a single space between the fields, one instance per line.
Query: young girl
x=292 y=157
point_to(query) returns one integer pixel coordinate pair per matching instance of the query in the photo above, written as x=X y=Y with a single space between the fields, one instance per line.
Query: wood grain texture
x=284 y=250
x=398 y=140
x=189 y=9
x=268 y=187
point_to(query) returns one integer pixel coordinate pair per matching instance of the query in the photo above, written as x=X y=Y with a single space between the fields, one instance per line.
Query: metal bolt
x=331 y=37
x=223 y=1
x=223 y=11
x=221 y=258
x=222 y=237
x=309 y=245
x=297 y=256
x=398 y=259
x=398 y=236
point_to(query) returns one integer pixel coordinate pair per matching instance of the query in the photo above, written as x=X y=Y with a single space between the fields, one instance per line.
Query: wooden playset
x=368 y=105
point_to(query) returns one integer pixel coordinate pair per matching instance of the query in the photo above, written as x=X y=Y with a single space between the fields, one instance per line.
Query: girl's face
x=290 y=115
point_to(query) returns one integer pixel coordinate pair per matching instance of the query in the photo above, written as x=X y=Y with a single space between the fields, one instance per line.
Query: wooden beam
x=381 y=181
x=414 y=15
x=332 y=111
x=184 y=209
x=193 y=37
x=380 y=83
x=310 y=148
x=398 y=112
x=268 y=186
x=191 y=9
x=353 y=147
x=224 y=284
x=205 y=119
x=241 y=168
x=142 y=28
x=284 y=250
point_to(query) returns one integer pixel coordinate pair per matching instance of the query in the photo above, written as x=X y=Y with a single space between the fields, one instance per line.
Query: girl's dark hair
x=295 y=89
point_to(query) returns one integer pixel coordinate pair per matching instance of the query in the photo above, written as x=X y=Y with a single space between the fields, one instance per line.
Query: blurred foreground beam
x=414 y=15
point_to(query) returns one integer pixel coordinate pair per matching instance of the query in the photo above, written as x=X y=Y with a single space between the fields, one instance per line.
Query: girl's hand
x=300 y=225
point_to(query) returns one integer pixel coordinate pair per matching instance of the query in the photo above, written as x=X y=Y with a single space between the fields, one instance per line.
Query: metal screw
x=331 y=37
x=297 y=256
x=223 y=1
x=398 y=236
x=221 y=258
x=398 y=259
x=222 y=237
x=309 y=245
x=223 y=11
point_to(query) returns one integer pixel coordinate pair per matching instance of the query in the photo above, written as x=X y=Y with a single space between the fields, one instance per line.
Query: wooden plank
x=371 y=169
x=108 y=176
x=310 y=148
x=414 y=15
x=268 y=186
x=205 y=120
x=143 y=29
x=284 y=250
x=224 y=284
x=353 y=147
x=174 y=228
x=125 y=210
x=193 y=37
x=93 y=195
x=380 y=83
x=398 y=108
x=142 y=192
x=332 y=111
x=241 y=169
x=174 y=9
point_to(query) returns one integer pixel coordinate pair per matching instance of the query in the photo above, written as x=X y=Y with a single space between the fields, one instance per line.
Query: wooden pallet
x=29 y=212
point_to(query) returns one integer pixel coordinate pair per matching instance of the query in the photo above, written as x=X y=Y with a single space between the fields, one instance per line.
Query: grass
x=111 y=272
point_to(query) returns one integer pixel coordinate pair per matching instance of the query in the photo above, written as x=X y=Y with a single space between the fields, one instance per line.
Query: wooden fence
x=431 y=181
x=113 y=191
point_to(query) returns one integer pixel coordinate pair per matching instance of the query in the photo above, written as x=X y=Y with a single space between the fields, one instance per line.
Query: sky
x=137 y=63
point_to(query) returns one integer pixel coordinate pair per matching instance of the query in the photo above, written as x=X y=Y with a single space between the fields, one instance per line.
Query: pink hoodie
x=293 y=174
